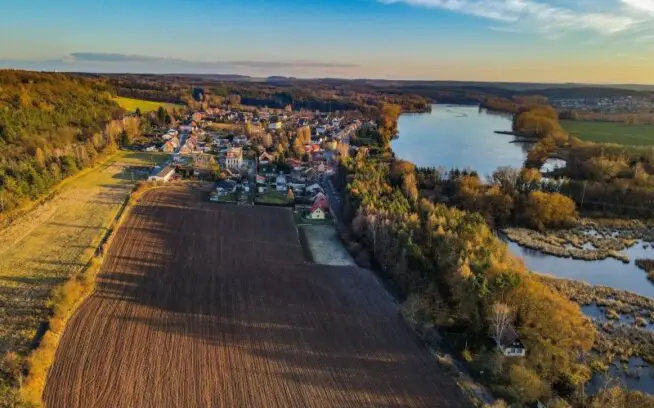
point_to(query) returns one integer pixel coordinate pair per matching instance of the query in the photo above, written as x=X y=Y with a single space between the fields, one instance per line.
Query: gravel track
x=204 y=305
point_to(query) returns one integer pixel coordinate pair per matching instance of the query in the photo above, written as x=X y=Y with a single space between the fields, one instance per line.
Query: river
x=463 y=137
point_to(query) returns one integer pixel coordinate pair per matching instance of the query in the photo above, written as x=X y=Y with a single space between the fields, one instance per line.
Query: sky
x=586 y=41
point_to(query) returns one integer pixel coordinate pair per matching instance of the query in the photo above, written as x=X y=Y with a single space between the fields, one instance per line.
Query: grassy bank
x=610 y=132
x=590 y=241
x=648 y=266
x=130 y=105
x=47 y=246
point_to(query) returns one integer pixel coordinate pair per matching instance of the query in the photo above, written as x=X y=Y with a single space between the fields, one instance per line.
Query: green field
x=610 y=132
x=54 y=240
x=271 y=197
x=130 y=104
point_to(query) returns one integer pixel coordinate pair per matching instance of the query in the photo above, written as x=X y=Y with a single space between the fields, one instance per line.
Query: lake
x=458 y=136
x=464 y=137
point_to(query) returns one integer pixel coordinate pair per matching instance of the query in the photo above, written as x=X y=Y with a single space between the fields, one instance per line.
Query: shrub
x=526 y=383
x=550 y=210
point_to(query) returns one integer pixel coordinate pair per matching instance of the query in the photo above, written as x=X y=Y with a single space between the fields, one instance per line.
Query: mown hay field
x=205 y=305
x=131 y=104
x=44 y=247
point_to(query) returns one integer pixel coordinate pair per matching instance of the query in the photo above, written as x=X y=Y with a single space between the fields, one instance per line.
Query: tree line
x=51 y=126
x=607 y=178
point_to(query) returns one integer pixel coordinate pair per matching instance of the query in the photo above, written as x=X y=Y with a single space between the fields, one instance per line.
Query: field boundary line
x=66 y=300
x=7 y=219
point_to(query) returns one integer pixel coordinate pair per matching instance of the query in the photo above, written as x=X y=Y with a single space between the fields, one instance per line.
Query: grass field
x=202 y=305
x=229 y=127
x=611 y=132
x=130 y=104
x=271 y=197
x=52 y=241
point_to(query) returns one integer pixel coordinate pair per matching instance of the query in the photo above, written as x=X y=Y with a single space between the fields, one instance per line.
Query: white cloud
x=642 y=5
x=544 y=17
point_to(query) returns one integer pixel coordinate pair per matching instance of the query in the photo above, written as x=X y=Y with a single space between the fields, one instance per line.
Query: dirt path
x=204 y=305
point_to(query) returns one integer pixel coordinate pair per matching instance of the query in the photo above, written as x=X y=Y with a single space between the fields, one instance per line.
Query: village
x=260 y=156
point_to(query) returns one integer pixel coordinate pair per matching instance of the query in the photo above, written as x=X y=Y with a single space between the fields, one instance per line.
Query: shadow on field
x=231 y=284
x=33 y=281
x=83 y=227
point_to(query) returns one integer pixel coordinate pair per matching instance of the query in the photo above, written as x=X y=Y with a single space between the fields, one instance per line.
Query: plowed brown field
x=203 y=305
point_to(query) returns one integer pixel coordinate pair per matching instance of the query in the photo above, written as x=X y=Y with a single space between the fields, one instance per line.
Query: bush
x=550 y=210
x=526 y=383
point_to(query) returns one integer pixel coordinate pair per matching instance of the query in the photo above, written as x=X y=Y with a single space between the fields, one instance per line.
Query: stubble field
x=205 y=305
x=54 y=240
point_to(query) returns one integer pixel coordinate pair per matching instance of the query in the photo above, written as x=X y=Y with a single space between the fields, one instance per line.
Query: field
x=325 y=246
x=610 y=132
x=45 y=246
x=201 y=305
x=130 y=104
x=228 y=127
x=271 y=197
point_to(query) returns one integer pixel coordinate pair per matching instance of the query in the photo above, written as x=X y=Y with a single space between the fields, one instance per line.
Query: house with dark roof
x=510 y=344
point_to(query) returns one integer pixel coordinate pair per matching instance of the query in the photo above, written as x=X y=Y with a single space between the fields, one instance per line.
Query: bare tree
x=500 y=320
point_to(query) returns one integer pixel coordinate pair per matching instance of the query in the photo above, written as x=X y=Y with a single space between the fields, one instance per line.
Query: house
x=281 y=184
x=318 y=196
x=294 y=163
x=510 y=344
x=168 y=147
x=240 y=140
x=316 y=213
x=234 y=158
x=186 y=149
x=275 y=125
x=163 y=175
x=225 y=187
x=266 y=158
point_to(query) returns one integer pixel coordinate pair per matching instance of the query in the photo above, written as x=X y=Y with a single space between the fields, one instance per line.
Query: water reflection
x=608 y=272
x=636 y=375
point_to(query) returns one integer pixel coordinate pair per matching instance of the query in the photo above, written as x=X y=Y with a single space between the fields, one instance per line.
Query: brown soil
x=207 y=305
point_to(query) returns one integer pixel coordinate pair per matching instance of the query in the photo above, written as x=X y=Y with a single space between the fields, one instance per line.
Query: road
x=335 y=201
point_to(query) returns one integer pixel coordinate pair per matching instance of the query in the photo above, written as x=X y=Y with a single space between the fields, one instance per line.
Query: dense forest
x=51 y=125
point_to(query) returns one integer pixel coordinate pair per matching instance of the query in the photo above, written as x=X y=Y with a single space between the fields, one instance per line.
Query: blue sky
x=603 y=41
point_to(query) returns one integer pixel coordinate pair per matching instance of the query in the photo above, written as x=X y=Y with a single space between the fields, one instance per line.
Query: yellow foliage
x=550 y=210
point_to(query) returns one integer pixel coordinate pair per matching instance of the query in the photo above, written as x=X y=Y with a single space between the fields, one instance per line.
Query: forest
x=454 y=273
x=299 y=94
x=51 y=126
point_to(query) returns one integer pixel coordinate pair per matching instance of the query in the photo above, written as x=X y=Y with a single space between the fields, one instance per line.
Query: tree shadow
x=231 y=284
